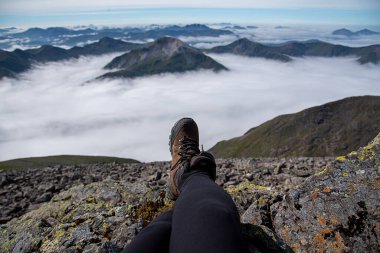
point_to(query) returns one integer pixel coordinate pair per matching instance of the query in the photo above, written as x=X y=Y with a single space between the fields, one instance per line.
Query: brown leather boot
x=186 y=156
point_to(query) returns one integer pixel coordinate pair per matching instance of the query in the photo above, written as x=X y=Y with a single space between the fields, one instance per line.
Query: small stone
x=249 y=176
x=162 y=182
x=158 y=175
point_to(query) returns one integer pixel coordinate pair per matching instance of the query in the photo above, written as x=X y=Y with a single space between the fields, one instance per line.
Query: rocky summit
x=286 y=204
x=165 y=55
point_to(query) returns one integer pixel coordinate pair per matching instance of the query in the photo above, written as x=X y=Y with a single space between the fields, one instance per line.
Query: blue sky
x=25 y=13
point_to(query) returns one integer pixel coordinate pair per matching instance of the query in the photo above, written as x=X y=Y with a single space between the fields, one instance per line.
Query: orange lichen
x=333 y=244
x=296 y=247
x=322 y=221
x=334 y=221
x=314 y=195
x=339 y=243
x=326 y=231
x=318 y=239
x=377 y=226
x=283 y=233
x=326 y=189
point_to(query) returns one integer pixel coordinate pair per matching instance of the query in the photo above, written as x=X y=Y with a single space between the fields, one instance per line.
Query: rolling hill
x=331 y=129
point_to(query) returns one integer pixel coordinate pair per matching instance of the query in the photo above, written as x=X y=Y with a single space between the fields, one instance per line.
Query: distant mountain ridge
x=165 y=55
x=71 y=37
x=332 y=129
x=249 y=48
x=281 y=52
x=192 y=30
x=346 y=32
x=18 y=61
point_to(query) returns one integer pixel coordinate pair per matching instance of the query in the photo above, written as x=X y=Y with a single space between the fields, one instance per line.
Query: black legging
x=204 y=219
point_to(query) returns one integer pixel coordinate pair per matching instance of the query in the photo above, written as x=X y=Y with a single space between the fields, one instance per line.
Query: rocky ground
x=24 y=190
x=286 y=205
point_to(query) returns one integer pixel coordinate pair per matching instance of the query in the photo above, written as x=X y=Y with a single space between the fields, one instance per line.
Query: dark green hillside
x=331 y=129
x=39 y=162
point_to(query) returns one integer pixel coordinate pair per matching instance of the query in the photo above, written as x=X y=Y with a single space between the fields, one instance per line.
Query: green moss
x=246 y=186
x=261 y=201
x=322 y=172
x=5 y=247
x=59 y=234
x=341 y=158
x=152 y=205
x=369 y=152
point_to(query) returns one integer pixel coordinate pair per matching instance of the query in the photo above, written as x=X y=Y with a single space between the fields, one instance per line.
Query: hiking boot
x=186 y=156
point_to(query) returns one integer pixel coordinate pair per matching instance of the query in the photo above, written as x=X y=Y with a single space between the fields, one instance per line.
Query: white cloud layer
x=52 y=110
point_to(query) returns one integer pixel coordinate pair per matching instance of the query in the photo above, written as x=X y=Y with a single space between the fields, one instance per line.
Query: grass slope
x=331 y=129
x=40 y=162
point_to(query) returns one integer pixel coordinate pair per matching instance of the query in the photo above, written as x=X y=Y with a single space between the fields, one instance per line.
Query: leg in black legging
x=205 y=219
x=154 y=238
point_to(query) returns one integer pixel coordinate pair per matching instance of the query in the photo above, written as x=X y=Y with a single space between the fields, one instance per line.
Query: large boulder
x=100 y=217
x=105 y=216
x=336 y=210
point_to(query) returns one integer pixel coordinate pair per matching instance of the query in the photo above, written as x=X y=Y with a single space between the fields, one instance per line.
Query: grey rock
x=335 y=210
x=105 y=216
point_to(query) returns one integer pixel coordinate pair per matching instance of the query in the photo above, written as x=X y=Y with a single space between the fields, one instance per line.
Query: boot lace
x=188 y=149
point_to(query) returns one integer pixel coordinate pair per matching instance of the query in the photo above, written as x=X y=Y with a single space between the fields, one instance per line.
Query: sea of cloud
x=53 y=109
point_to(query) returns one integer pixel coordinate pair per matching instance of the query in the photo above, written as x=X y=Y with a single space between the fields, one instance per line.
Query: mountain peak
x=168 y=46
x=244 y=40
x=343 y=31
x=166 y=54
x=366 y=32
x=197 y=26
x=346 y=32
x=166 y=40
x=250 y=48
x=106 y=40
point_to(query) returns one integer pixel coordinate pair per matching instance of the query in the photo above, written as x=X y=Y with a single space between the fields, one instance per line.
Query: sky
x=24 y=13
x=53 y=110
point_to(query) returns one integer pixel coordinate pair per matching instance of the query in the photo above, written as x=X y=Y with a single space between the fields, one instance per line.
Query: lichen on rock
x=337 y=210
x=282 y=208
